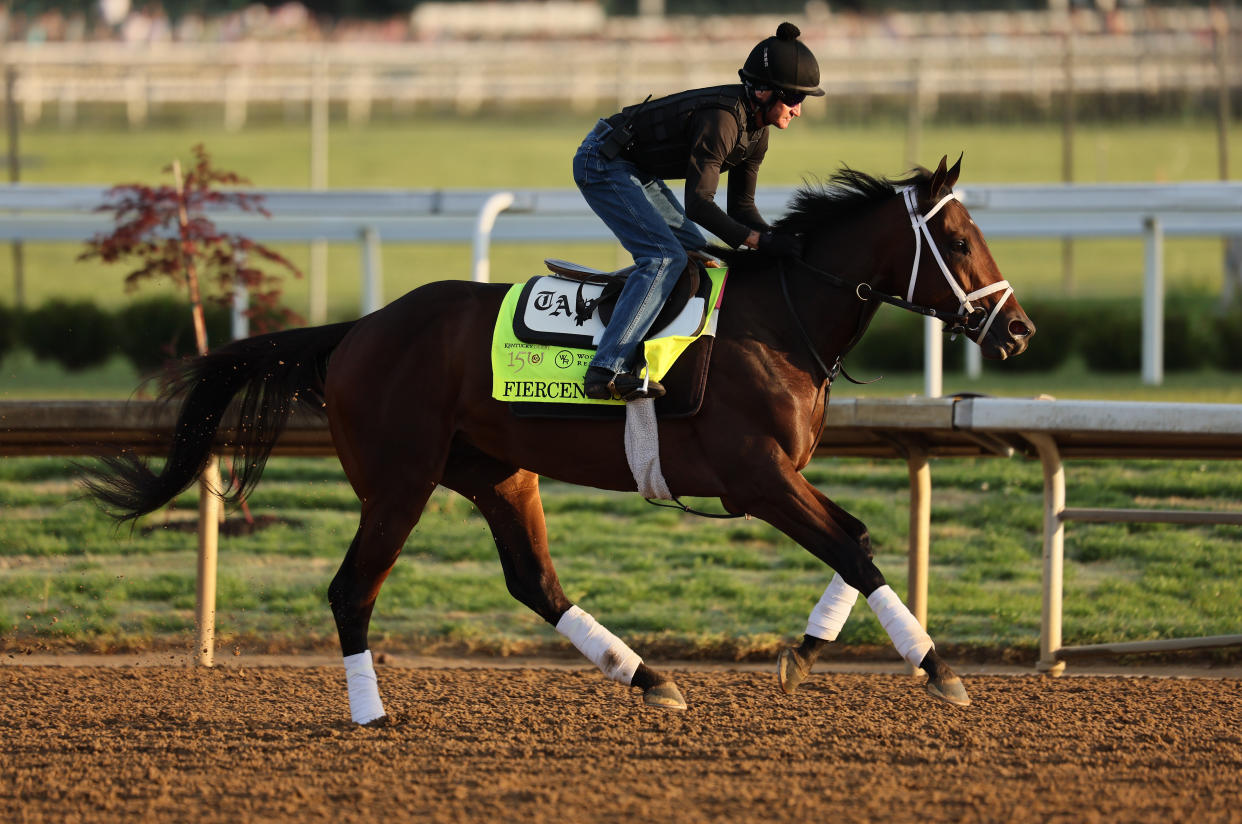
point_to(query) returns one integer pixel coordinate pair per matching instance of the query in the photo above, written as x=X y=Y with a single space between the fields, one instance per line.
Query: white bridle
x=919 y=224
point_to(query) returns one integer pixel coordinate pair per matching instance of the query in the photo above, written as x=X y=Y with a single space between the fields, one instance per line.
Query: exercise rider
x=697 y=135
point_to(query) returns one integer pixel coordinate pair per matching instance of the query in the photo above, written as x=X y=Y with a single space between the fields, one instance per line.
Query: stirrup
x=629 y=387
x=625 y=386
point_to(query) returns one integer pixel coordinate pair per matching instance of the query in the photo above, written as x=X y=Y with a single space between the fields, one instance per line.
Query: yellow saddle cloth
x=552 y=372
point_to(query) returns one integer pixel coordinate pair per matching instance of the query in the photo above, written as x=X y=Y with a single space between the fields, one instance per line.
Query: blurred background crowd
x=191 y=21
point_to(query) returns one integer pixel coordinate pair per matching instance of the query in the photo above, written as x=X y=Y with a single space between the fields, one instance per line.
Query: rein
x=968 y=319
x=677 y=503
x=957 y=322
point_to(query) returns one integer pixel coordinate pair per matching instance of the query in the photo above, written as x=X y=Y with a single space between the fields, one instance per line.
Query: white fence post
x=483 y=225
x=974 y=362
x=933 y=358
x=240 y=323
x=210 y=508
x=1153 y=303
x=1053 y=553
x=919 y=547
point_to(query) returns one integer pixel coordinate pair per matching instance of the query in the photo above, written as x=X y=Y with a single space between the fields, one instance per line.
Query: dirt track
x=245 y=744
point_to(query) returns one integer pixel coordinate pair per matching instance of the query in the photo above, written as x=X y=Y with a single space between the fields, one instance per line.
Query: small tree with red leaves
x=167 y=231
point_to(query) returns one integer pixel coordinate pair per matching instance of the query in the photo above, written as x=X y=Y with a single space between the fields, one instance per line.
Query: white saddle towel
x=642 y=449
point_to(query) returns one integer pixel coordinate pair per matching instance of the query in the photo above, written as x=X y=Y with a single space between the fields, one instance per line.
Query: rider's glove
x=780 y=244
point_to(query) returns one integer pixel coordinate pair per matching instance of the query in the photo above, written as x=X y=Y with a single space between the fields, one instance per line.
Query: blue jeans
x=652 y=226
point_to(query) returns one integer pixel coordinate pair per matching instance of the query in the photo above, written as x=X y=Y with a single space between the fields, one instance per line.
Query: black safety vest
x=661 y=128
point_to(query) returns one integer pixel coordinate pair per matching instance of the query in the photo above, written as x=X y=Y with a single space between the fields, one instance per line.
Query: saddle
x=573 y=305
x=613 y=282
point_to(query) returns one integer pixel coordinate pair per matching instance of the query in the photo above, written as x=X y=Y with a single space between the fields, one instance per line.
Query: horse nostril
x=1018 y=329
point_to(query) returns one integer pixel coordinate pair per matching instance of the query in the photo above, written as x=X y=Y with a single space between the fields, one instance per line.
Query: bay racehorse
x=407 y=393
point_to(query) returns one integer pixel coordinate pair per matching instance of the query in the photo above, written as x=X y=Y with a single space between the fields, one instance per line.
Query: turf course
x=670 y=583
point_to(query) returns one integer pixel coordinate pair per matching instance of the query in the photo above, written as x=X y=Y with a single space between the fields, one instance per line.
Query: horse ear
x=938 y=179
x=951 y=179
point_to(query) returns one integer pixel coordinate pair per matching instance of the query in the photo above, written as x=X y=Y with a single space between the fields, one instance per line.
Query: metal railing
x=33 y=212
x=913 y=430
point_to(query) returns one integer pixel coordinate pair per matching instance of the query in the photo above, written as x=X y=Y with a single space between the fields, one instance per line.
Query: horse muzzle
x=1008 y=335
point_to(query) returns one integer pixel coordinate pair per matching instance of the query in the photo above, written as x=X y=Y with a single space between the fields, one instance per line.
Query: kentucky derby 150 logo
x=520 y=359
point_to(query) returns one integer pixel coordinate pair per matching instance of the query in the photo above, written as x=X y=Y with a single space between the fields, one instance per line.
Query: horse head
x=910 y=243
x=953 y=271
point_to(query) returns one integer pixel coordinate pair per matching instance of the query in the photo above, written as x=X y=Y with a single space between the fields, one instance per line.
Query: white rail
x=1120 y=429
x=47 y=212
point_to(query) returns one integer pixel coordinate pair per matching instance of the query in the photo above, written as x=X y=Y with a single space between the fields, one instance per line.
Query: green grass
x=666 y=581
x=536 y=151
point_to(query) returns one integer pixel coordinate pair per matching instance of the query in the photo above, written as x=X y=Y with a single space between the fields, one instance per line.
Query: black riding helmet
x=783 y=63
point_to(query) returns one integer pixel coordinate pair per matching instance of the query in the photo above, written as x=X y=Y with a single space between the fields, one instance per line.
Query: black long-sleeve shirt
x=699 y=135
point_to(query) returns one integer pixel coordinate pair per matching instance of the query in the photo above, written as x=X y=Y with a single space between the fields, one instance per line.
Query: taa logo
x=564 y=359
x=557 y=303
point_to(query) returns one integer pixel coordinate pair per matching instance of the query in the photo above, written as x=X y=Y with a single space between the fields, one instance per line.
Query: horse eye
x=959 y=245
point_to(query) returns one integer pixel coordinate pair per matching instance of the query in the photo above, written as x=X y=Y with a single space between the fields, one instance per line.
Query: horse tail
x=271 y=373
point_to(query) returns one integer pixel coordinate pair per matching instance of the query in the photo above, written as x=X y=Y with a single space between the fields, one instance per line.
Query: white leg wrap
x=601 y=647
x=364 y=699
x=830 y=613
x=909 y=637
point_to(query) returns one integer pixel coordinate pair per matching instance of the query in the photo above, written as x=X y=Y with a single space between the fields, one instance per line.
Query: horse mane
x=847 y=195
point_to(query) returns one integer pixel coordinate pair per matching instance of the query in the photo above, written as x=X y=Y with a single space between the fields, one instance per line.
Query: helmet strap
x=766 y=107
x=756 y=105
x=763 y=107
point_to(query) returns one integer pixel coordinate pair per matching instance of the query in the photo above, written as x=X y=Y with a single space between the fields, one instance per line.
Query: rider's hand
x=780 y=244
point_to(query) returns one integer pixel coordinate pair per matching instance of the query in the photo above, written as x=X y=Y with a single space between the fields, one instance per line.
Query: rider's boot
x=604 y=384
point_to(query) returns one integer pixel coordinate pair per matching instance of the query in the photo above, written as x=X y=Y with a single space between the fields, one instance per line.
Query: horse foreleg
x=841 y=541
x=509 y=500
x=822 y=627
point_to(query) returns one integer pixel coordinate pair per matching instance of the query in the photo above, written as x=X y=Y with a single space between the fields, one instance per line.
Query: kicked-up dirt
x=556 y=746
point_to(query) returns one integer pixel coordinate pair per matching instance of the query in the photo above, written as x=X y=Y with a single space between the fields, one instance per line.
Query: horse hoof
x=790 y=670
x=666 y=696
x=950 y=690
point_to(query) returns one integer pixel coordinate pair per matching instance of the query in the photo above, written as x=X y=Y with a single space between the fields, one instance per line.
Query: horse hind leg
x=509 y=500
x=381 y=535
